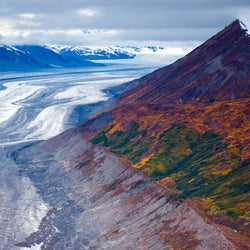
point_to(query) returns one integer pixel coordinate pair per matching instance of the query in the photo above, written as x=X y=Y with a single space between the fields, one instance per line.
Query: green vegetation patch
x=132 y=143
x=177 y=145
x=202 y=167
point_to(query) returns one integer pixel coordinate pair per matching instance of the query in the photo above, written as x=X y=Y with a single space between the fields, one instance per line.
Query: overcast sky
x=180 y=23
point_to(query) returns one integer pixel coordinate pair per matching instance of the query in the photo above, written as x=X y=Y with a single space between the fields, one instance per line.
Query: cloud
x=114 y=21
x=27 y=15
x=87 y=12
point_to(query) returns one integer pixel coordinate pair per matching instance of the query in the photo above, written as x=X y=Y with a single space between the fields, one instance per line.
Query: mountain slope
x=216 y=70
x=34 y=57
x=187 y=126
x=92 y=200
x=12 y=58
x=54 y=58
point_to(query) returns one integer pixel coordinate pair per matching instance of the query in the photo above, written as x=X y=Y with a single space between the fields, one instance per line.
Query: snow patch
x=242 y=25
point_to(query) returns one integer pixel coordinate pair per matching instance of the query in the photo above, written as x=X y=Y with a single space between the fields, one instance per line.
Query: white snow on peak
x=54 y=49
x=12 y=48
x=131 y=50
x=242 y=25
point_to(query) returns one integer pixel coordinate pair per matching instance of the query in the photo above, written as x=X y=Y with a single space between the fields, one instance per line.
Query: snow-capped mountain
x=52 y=57
x=94 y=53
x=31 y=57
x=12 y=58
x=107 y=52
x=34 y=57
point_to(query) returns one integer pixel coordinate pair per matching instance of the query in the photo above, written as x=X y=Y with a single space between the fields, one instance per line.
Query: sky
x=179 y=23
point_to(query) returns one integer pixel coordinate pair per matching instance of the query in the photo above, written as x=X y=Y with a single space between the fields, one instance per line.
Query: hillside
x=186 y=126
x=12 y=58
x=84 y=197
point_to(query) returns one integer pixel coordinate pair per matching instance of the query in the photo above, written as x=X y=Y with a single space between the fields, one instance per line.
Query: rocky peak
x=216 y=70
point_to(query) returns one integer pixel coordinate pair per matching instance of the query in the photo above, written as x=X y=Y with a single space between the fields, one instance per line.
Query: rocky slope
x=215 y=71
x=86 y=198
x=186 y=126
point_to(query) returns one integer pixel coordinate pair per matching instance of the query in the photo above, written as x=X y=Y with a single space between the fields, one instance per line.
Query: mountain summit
x=218 y=70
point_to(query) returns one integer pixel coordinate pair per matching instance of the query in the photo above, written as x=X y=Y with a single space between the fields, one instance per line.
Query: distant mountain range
x=108 y=52
x=95 y=53
x=33 y=57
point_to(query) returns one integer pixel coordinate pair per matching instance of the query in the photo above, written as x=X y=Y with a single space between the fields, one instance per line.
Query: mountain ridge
x=12 y=58
x=35 y=57
x=196 y=147
x=180 y=81
x=31 y=57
